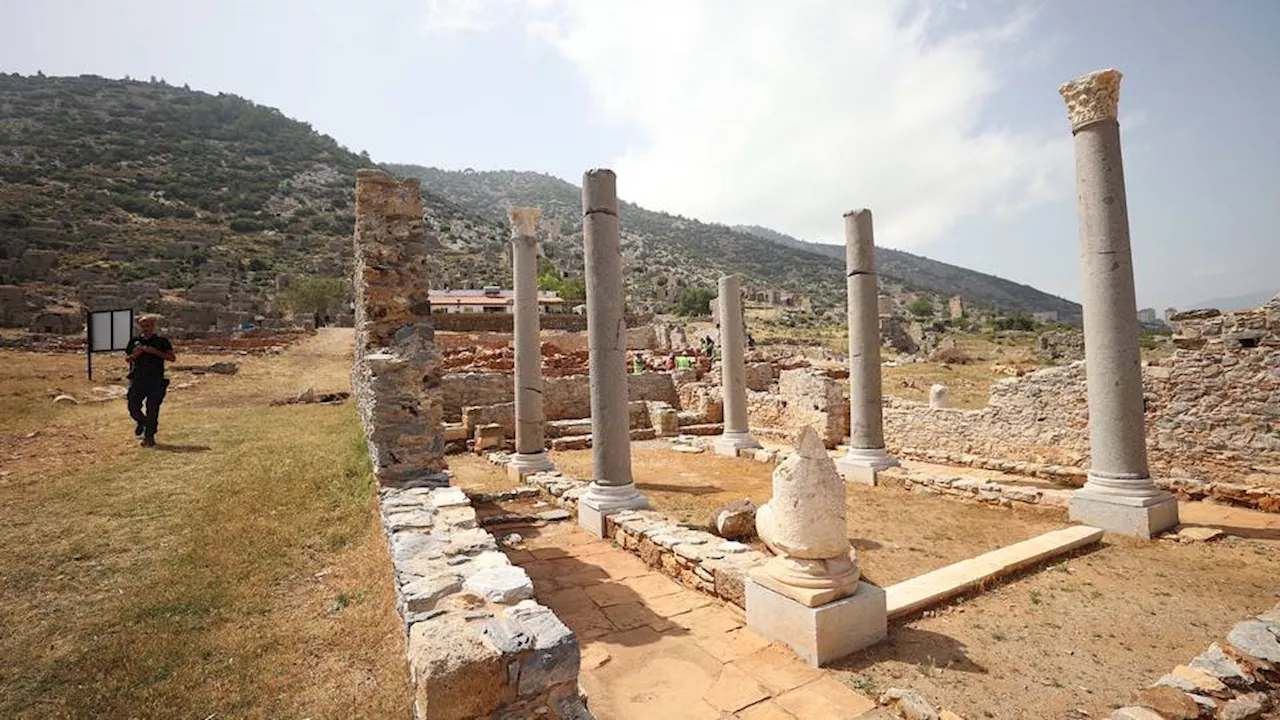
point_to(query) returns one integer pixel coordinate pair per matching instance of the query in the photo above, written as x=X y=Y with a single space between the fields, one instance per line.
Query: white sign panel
x=121 y=328
x=100 y=331
x=109 y=330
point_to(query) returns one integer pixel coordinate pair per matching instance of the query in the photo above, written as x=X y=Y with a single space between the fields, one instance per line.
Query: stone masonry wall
x=805 y=396
x=478 y=645
x=1213 y=414
x=396 y=374
x=563 y=398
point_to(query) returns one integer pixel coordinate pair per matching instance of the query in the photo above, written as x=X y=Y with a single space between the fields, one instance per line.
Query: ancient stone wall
x=805 y=396
x=1212 y=410
x=479 y=646
x=563 y=398
x=502 y=323
x=396 y=375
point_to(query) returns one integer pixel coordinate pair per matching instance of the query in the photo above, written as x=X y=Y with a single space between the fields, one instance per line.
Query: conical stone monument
x=809 y=595
x=804 y=525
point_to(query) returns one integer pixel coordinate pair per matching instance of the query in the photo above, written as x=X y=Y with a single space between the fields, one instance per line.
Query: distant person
x=147 y=353
x=671 y=361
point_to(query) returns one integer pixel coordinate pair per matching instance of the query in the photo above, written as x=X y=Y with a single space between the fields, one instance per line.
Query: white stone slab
x=932 y=588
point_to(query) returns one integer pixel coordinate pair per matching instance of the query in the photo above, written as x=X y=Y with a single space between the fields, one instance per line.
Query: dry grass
x=237 y=571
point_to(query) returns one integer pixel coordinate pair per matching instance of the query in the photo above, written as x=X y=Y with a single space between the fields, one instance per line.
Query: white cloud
x=788 y=114
x=458 y=15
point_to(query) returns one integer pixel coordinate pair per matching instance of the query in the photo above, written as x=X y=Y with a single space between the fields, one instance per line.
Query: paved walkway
x=652 y=648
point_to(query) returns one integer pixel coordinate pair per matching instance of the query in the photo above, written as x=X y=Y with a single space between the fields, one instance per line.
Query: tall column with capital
x=1119 y=495
x=612 y=488
x=866 y=414
x=531 y=451
x=733 y=371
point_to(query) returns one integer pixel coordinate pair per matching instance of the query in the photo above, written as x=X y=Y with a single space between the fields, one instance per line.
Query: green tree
x=920 y=307
x=314 y=293
x=695 y=301
x=1019 y=321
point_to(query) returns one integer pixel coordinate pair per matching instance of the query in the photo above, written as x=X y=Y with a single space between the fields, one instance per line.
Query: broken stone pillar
x=866 y=421
x=809 y=595
x=531 y=451
x=733 y=371
x=1119 y=495
x=939 y=396
x=612 y=488
x=396 y=374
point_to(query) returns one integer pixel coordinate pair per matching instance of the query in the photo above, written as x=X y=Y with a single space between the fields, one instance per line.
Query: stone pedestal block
x=1142 y=517
x=730 y=443
x=819 y=634
x=600 y=501
x=528 y=463
x=859 y=465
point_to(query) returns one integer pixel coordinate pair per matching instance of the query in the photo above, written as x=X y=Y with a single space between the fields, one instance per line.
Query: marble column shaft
x=1117 y=431
x=866 y=423
x=733 y=370
x=530 y=437
x=1119 y=495
x=606 y=330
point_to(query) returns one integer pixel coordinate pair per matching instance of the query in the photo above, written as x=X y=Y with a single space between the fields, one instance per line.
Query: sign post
x=109 y=331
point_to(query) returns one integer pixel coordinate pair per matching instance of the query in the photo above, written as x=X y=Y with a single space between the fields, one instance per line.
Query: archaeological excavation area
x=582 y=526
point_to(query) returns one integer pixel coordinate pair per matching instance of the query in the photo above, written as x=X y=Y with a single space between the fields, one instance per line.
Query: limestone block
x=820 y=634
x=554 y=657
x=457 y=674
x=506 y=585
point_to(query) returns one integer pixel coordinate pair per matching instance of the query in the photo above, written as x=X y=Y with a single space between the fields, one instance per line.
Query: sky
x=942 y=116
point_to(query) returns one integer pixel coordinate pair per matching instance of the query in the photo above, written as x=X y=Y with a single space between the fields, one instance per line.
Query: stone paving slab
x=652 y=648
x=932 y=588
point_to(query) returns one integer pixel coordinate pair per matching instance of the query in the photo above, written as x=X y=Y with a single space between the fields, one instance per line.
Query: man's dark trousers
x=148 y=391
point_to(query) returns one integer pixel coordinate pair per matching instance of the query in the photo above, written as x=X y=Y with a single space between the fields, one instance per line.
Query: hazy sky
x=943 y=117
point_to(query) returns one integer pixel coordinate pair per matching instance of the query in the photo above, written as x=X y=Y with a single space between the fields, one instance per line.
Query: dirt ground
x=237 y=570
x=1084 y=632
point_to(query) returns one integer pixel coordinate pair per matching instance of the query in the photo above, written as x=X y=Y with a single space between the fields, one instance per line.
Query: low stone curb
x=696 y=558
x=1265 y=499
x=478 y=645
x=983 y=491
x=1238 y=678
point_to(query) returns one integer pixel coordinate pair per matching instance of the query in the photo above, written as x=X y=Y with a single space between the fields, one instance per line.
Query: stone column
x=809 y=595
x=612 y=488
x=866 y=420
x=531 y=451
x=1119 y=495
x=733 y=370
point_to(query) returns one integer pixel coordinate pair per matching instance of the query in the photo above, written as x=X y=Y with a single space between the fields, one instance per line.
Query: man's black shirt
x=148 y=366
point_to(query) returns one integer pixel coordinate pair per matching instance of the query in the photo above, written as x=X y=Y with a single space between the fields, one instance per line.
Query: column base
x=601 y=501
x=730 y=443
x=1142 y=517
x=859 y=465
x=819 y=634
x=522 y=464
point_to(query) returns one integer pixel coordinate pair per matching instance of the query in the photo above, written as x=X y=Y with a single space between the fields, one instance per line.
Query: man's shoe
x=148 y=442
x=139 y=429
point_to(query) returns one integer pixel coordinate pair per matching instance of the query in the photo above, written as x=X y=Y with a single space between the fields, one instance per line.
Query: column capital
x=524 y=221
x=1092 y=98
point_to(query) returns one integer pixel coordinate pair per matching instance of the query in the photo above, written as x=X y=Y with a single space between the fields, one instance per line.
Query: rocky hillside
x=142 y=194
x=202 y=207
x=667 y=252
x=939 y=277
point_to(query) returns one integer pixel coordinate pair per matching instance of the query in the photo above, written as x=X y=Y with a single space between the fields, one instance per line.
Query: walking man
x=147 y=353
